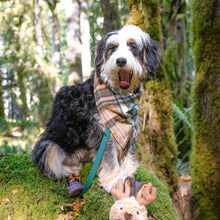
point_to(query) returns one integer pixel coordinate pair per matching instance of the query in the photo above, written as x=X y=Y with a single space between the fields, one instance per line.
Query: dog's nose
x=121 y=61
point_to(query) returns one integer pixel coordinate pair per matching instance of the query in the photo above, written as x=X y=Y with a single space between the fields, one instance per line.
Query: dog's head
x=126 y=57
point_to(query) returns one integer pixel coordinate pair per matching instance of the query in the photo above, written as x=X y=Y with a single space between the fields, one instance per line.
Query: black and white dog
x=75 y=128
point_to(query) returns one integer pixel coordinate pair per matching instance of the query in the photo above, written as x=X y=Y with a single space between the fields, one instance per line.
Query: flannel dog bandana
x=116 y=111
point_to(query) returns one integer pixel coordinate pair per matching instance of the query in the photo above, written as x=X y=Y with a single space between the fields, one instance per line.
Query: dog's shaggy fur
x=75 y=129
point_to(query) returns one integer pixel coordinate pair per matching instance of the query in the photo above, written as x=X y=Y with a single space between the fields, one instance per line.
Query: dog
x=124 y=59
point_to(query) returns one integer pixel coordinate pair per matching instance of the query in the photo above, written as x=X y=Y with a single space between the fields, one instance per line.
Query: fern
x=180 y=114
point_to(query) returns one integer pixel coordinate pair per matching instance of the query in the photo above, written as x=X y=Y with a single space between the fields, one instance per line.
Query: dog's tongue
x=124 y=79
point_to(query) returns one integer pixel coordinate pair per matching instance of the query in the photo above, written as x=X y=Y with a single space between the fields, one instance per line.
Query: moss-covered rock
x=27 y=194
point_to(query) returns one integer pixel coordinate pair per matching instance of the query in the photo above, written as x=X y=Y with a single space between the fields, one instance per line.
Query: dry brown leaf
x=67 y=216
x=69 y=205
x=75 y=206
x=14 y=191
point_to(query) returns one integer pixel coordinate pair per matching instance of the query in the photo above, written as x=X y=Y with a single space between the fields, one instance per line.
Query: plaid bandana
x=116 y=111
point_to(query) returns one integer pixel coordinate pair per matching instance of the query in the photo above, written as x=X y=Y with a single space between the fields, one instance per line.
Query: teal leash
x=96 y=161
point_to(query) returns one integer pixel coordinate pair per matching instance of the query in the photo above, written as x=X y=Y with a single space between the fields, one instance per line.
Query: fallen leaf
x=65 y=216
x=62 y=207
x=75 y=206
x=14 y=191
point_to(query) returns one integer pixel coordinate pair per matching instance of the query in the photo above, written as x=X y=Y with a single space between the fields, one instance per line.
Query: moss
x=145 y=14
x=157 y=148
x=205 y=158
x=27 y=194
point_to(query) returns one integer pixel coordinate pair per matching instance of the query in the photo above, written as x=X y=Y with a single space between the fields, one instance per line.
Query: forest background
x=45 y=44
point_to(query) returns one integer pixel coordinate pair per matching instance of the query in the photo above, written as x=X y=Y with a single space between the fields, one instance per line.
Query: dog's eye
x=112 y=48
x=133 y=46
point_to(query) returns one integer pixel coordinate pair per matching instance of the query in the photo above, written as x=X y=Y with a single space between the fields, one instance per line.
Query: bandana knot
x=118 y=112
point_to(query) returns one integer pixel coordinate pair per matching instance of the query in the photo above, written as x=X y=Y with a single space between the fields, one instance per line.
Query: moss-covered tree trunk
x=173 y=21
x=205 y=159
x=22 y=88
x=157 y=148
x=2 y=113
x=111 y=15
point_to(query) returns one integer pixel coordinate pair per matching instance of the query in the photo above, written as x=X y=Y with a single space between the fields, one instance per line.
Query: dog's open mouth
x=125 y=78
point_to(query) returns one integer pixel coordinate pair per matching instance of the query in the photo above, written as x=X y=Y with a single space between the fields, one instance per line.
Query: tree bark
x=111 y=15
x=22 y=88
x=2 y=113
x=205 y=158
x=174 y=47
x=157 y=148
x=72 y=12
x=56 y=57
x=44 y=92
x=85 y=39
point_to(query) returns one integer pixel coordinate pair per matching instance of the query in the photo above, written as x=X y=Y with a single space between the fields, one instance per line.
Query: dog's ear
x=99 y=55
x=151 y=56
x=100 y=52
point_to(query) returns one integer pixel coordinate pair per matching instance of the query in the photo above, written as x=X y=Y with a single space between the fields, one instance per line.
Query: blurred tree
x=205 y=157
x=174 y=39
x=85 y=39
x=111 y=16
x=13 y=60
x=72 y=11
x=56 y=57
x=178 y=78
x=44 y=93
x=2 y=112
x=157 y=148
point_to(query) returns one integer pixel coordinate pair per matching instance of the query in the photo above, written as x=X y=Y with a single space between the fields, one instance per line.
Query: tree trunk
x=2 y=113
x=111 y=15
x=22 y=88
x=72 y=12
x=85 y=39
x=56 y=57
x=44 y=92
x=174 y=47
x=157 y=143
x=205 y=158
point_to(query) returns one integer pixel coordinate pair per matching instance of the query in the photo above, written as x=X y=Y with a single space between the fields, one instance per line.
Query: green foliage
x=18 y=136
x=27 y=194
x=183 y=132
x=182 y=115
